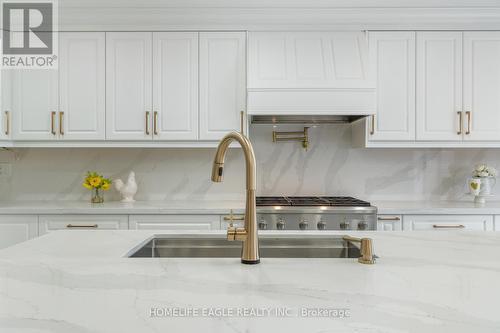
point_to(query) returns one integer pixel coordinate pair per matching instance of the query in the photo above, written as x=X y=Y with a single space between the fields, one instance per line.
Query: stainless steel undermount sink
x=270 y=247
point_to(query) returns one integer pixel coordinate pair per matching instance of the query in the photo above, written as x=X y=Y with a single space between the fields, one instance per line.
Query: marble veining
x=423 y=282
x=331 y=166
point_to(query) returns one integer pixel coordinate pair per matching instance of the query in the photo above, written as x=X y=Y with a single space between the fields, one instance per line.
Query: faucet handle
x=231 y=218
x=236 y=234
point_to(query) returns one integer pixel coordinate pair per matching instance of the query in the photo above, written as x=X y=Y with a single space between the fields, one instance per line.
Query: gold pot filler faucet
x=247 y=234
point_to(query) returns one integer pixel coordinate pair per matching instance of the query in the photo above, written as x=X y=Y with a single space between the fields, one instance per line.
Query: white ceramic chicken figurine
x=127 y=190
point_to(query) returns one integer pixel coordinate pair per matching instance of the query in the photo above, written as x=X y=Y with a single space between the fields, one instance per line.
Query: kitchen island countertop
x=82 y=282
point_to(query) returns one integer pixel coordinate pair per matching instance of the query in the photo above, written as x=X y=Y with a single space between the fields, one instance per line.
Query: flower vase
x=97 y=196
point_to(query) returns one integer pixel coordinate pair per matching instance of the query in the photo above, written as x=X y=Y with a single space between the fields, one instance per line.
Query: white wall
x=331 y=166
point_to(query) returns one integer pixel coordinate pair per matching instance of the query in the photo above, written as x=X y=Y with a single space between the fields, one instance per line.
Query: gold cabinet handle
x=468 y=114
x=389 y=218
x=242 y=121
x=83 y=226
x=155 y=123
x=7 y=122
x=448 y=226
x=372 y=127
x=61 y=128
x=460 y=123
x=52 y=123
x=147 y=122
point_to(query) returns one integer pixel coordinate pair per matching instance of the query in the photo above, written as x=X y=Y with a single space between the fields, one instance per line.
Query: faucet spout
x=247 y=234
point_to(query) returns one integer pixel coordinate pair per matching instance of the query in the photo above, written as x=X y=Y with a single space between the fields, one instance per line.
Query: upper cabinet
x=5 y=102
x=67 y=104
x=129 y=85
x=439 y=86
x=392 y=59
x=222 y=82
x=481 y=95
x=175 y=85
x=82 y=86
x=448 y=95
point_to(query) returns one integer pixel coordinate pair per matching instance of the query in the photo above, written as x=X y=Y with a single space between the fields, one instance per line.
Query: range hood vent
x=305 y=120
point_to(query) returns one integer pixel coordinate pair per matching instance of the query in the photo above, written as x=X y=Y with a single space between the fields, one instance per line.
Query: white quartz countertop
x=220 y=207
x=81 y=282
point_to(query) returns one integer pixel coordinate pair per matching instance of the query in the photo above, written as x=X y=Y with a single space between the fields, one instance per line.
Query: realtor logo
x=29 y=39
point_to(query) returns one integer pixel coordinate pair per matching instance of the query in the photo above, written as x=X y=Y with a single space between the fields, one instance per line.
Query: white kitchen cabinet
x=17 y=228
x=389 y=223
x=448 y=222
x=34 y=103
x=174 y=222
x=222 y=83
x=392 y=59
x=175 y=85
x=482 y=86
x=496 y=226
x=129 y=85
x=82 y=86
x=48 y=223
x=439 y=86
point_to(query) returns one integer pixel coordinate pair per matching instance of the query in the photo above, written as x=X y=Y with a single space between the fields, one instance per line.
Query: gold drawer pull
x=52 y=123
x=83 y=226
x=155 y=123
x=7 y=122
x=448 y=226
x=234 y=218
x=460 y=123
x=389 y=218
x=372 y=128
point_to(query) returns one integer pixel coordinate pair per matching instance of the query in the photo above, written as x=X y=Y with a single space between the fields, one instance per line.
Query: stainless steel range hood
x=305 y=119
x=309 y=78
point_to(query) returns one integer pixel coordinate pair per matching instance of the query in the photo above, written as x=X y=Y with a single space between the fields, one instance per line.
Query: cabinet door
x=5 y=101
x=129 y=86
x=82 y=85
x=448 y=222
x=50 y=223
x=439 y=86
x=17 y=228
x=175 y=82
x=222 y=83
x=482 y=85
x=175 y=222
x=34 y=104
x=392 y=58
x=389 y=223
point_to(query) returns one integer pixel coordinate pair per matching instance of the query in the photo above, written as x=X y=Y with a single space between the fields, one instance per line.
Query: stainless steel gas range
x=315 y=213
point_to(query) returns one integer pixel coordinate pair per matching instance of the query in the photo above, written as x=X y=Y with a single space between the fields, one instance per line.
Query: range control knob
x=262 y=224
x=303 y=225
x=362 y=225
x=280 y=225
x=344 y=225
x=321 y=225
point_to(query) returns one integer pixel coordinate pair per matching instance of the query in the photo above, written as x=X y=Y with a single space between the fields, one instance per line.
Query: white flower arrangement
x=483 y=170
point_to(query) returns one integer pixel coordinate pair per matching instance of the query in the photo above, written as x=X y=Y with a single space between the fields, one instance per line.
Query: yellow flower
x=105 y=186
x=87 y=185
x=95 y=181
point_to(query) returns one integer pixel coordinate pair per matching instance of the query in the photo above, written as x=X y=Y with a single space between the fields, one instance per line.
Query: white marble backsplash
x=330 y=166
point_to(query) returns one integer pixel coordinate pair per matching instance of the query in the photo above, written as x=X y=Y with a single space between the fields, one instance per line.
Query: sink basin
x=270 y=247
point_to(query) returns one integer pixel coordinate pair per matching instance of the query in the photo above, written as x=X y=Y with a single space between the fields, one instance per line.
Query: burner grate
x=311 y=201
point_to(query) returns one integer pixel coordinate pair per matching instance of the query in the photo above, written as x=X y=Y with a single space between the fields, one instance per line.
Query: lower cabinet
x=448 y=222
x=174 y=222
x=17 y=228
x=48 y=223
x=389 y=223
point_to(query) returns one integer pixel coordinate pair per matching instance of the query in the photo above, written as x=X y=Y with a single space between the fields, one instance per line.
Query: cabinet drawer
x=448 y=222
x=82 y=222
x=17 y=228
x=389 y=223
x=175 y=222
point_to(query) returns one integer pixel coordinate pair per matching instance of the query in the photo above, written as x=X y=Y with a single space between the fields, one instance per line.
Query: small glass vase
x=97 y=196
